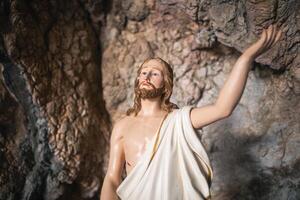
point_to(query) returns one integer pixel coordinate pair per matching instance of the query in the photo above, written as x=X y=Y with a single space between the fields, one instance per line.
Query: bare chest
x=138 y=135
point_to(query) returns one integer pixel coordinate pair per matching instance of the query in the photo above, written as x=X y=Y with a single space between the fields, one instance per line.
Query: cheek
x=159 y=81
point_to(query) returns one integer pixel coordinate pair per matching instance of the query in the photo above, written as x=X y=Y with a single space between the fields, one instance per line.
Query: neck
x=150 y=107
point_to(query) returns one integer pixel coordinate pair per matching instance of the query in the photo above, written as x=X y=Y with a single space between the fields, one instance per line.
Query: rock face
x=51 y=58
x=67 y=75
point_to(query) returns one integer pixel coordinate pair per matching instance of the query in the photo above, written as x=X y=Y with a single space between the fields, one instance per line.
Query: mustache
x=144 y=82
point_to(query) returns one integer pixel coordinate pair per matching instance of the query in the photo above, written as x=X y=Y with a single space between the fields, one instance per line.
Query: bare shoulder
x=123 y=122
x=120 y=126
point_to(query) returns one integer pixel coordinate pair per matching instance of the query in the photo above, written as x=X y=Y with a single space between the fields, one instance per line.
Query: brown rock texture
x=237 y=24
x=67 y=75
x=56 y=49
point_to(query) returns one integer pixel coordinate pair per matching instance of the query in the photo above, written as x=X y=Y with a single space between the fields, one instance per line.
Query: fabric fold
x=180 y=168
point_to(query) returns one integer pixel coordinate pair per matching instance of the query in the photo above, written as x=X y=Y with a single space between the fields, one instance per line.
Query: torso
x=139 y=132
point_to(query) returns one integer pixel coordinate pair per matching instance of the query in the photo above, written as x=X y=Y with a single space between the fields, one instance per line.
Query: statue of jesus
x=156 y=141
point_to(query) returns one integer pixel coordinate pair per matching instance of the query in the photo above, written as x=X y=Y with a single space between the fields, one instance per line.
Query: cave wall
x=68 y=69
x=53 y=48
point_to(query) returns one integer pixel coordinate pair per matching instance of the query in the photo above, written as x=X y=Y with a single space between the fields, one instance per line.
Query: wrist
x=249 y=55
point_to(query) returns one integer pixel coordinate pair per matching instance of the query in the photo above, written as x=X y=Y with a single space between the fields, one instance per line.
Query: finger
x=264 y=37
x=276 y=31
x=268 y=34
x=269 y=31
x=272 y=36
x=278 y=35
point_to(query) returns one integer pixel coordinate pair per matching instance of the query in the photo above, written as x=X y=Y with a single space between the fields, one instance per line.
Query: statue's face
x=151 y=75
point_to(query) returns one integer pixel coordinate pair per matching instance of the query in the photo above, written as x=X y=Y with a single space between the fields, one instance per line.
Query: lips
x=147 y=84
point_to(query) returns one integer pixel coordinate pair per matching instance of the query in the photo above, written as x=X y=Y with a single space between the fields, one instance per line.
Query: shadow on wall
x=253 y=167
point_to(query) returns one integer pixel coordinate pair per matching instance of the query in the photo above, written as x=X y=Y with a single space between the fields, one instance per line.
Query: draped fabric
x=178 y=170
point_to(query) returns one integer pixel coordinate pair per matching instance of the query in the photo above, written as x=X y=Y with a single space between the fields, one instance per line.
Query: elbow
x=226 y=113
x=223 y=111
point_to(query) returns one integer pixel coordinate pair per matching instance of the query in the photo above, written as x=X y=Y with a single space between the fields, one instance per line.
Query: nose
x=148 y=76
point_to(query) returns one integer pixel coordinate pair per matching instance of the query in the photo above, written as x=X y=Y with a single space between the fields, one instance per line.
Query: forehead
x=153 y=64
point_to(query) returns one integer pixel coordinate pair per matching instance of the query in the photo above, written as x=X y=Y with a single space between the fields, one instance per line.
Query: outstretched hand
x=268 y=39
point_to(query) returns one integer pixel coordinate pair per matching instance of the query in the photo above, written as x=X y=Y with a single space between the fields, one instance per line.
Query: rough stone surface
x=67 y=75
x=54 y=46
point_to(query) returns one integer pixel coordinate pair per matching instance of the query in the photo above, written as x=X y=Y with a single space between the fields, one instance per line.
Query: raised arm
x=233 y=88
x=115 y=166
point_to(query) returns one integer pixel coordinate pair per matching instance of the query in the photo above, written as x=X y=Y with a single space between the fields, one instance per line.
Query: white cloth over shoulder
x=179 y=170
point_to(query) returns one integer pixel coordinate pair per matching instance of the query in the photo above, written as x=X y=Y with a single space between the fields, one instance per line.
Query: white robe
x=179 y=170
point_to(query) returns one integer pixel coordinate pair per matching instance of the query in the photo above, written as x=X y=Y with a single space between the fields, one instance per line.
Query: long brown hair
x=168 y=88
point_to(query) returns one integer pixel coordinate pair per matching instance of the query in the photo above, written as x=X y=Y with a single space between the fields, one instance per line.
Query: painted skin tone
x=131 y=134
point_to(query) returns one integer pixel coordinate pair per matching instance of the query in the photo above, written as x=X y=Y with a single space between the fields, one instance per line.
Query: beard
x=149 y=93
